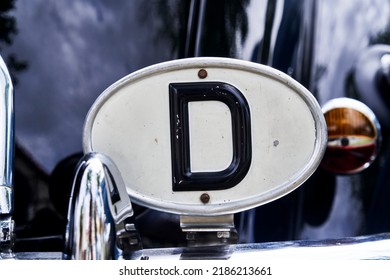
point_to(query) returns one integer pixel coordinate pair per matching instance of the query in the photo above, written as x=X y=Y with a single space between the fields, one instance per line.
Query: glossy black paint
x=72 y=51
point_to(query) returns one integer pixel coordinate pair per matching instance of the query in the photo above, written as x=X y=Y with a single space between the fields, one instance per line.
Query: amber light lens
x=352 y=141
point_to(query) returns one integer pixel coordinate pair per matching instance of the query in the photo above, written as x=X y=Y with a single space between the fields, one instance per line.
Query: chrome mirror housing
x=99 y=218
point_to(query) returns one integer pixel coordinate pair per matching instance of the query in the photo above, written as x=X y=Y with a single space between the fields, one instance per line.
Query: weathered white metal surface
x=130 y=122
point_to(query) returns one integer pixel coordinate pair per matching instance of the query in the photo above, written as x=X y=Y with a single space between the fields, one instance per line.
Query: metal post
x=6 y=160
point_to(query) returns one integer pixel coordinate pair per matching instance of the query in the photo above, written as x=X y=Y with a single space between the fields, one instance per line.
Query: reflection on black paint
x=171 y=19
x=199 y=28
x=222 y=23
x=8 y=29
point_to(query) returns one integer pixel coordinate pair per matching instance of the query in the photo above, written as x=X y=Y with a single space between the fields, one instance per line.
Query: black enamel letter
x=183 y=179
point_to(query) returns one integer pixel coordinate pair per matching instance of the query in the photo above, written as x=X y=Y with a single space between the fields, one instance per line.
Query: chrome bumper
x=373 y=247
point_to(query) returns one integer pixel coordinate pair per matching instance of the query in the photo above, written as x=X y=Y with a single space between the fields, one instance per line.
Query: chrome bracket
x=6 y=235
x=209 y=230
x=127 y=238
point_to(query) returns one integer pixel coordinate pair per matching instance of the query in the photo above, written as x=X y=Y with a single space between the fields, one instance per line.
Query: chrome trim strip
x=6 y=160
x=6 y=139
x=371 y=247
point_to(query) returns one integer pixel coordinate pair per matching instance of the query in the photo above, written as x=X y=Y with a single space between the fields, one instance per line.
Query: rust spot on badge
x=202 y=74
x=205 y=198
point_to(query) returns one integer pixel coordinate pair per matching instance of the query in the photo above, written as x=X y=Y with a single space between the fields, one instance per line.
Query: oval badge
x=208 y=136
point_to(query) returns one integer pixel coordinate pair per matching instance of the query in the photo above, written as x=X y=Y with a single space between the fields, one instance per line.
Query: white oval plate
x=180 y=150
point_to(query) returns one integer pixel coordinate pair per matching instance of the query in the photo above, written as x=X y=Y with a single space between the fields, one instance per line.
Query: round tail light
x=353 y=136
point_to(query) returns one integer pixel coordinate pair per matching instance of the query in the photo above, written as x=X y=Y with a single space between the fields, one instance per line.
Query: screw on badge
x=202 y=73
x=205 y=198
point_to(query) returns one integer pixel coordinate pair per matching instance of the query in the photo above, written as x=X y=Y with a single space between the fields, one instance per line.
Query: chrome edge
x=6 y=160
